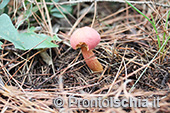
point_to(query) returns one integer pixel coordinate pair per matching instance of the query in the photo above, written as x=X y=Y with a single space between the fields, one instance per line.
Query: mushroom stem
x=91 y=60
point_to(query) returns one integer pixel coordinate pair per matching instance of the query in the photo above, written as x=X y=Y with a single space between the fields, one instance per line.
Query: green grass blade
x=166 y=25
x=139 y=11
x=154 y=26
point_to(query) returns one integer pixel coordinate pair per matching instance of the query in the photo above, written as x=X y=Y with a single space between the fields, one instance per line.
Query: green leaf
x=31 y=29
x=58 y=15
x=65 y=9
x=31 y=10
x=4 y=3
x=0 y=44
x=30 y=40
x=56 y=38
x=56 y=1
x=23 y=41
x=8 y=31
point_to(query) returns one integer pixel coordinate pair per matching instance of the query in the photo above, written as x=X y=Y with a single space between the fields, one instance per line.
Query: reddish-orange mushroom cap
x=86 y=36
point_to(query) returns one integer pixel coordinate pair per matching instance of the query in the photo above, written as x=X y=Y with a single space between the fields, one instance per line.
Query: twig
x=95 y=11
x=118 y=1
x=79 y=19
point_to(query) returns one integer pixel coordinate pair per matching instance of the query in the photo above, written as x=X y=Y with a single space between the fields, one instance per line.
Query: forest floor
x=135 y=65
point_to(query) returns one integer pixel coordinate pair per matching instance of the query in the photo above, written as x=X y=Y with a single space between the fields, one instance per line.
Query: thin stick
x=118 y=1
x=149 y=64
x=95 y=12
x=79 y=19
x=48 y=18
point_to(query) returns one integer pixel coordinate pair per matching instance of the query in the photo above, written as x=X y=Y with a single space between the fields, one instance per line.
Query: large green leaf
x=8 y=31
x=23 y=41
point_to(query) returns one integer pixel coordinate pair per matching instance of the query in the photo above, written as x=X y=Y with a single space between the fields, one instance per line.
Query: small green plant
x=24 y=41
x=29 y=39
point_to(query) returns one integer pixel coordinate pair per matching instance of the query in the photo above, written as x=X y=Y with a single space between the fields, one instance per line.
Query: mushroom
x=87 y=39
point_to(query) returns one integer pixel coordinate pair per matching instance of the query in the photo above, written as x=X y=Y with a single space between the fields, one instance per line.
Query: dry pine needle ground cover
x=128 y=46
